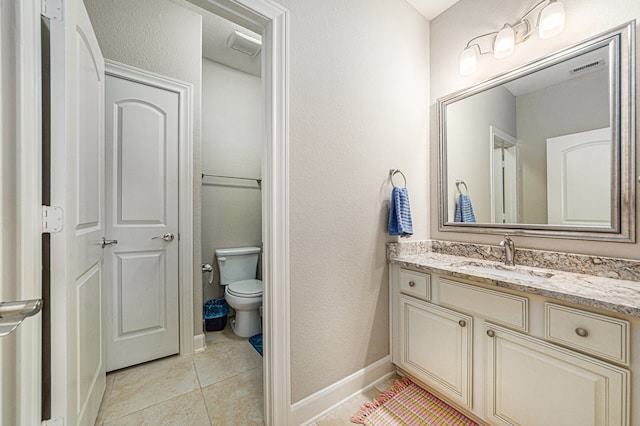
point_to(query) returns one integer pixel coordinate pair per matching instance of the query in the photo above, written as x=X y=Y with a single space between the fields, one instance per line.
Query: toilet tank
x=237 y=264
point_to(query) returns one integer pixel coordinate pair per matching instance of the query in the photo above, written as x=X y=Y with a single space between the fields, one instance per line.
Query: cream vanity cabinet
x=473 y=346
x=435 y=345
x=531 y=382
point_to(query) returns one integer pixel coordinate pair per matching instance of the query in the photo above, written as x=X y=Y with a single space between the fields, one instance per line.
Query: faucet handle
x=507 y=240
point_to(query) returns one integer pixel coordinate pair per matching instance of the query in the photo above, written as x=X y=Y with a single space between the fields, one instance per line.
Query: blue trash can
x=215 y=314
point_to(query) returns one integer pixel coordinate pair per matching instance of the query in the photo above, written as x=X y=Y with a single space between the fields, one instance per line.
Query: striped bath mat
x=408 y=404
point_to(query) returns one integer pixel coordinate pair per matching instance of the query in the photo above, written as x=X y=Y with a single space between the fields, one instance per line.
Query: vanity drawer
x=503 y=308
x=415 y=283
x=599 y=335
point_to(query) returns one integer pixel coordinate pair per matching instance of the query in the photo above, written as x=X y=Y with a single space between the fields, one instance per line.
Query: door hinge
x=53 y=422
x=52 y=219
x=51 y=9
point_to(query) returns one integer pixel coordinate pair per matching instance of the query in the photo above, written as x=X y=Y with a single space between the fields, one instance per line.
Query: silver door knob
x=168 y=237
x=106 y=242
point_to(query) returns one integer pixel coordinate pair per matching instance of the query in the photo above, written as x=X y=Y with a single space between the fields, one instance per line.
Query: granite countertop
x=610 y=294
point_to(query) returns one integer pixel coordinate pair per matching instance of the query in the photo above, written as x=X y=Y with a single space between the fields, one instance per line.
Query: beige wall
x=449 y=34
x=359 y=106
x=166 y=39
x=231 y=146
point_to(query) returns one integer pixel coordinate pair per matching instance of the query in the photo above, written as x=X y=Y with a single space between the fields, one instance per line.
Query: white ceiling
x=431 y=8
x=216 y=31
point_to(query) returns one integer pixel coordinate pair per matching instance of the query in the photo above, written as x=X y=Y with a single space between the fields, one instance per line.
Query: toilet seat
x=245 y=288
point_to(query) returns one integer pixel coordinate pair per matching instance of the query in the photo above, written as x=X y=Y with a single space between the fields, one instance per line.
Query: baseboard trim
x=322 y=402
x=199 y=343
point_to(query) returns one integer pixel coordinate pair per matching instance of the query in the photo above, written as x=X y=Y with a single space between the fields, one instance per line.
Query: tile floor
x=221 y=386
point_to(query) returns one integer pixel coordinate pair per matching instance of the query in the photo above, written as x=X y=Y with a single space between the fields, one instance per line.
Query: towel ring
x=461 y=182
x=393 y=172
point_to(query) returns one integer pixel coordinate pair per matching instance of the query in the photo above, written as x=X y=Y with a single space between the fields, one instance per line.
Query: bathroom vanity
x=518 y=345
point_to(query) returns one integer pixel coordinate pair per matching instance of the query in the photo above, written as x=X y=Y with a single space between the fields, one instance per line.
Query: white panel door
x=77 y=185
x=20 y=211
x=142 y=208
x=579 y=179
x=533 y=383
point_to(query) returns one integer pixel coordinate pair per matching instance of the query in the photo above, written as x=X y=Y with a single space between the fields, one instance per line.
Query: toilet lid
x=245 y=288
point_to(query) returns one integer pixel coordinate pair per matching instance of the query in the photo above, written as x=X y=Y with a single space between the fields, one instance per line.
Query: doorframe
x=514 y=180
x=185 y=186
x=271 y=19
x=27 y=128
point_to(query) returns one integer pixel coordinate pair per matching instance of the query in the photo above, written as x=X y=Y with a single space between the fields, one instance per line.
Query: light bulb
x=551 y=20
x=505 y=42
x=468 y=61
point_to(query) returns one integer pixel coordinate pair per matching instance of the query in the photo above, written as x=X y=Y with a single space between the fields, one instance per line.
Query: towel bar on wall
x=258 y=181
x=461 y=182
x=393 y=172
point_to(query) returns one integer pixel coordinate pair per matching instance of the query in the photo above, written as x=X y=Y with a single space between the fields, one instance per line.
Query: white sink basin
x=502 y=271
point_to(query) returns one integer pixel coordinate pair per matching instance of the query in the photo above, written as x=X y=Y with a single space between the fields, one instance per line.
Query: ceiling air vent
x=244 y=43
x=587 y=67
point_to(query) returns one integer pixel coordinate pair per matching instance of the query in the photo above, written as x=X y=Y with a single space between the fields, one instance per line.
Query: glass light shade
x=505 y=42
x=551 y=20
x=468 y=61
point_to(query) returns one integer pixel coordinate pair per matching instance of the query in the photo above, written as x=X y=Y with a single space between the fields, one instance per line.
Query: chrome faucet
x=509 y=250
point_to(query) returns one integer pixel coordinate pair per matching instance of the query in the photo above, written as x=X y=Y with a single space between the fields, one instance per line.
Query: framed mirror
x=547 y=149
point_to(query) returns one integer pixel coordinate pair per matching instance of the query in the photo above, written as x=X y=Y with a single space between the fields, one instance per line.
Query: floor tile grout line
x=234 y=376
x=108 y=398
x=195 y=368
x=155 y=405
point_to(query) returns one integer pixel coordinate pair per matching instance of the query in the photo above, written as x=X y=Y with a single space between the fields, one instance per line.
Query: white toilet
x=242 y=292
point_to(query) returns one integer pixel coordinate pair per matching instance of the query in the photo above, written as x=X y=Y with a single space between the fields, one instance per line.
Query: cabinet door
x=534 y=383
x=436 y=347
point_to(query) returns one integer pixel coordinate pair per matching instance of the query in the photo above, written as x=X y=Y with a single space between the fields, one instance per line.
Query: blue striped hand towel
x=464 y=209
x=400 y=222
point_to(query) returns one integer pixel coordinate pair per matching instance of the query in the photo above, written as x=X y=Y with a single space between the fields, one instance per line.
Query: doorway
x=271 y=20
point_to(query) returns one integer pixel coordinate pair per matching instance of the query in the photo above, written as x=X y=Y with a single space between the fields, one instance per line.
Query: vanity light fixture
x=546 y=16
x=505 y=42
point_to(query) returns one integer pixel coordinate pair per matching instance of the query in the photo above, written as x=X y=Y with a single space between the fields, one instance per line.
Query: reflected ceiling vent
x=244 y=43
x=587 y=67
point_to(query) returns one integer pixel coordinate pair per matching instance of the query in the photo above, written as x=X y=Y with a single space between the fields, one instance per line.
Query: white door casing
x=141 y=271
x=504 y=176
x=77 y=185
x=20 y=207
x=579 y=179
x=271 y=19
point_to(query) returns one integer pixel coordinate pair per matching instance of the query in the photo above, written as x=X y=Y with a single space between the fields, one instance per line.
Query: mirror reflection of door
x=579 y=178
x=504 y=176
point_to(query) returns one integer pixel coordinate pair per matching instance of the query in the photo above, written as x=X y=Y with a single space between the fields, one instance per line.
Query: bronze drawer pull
x=582 y=332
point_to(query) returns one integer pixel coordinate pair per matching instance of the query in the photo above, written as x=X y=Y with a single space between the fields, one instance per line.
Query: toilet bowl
x=242 y=292
x=245 y=297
